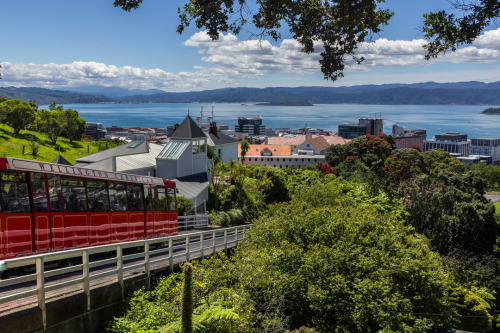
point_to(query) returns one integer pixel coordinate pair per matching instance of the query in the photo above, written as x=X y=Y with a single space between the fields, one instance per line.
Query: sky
x=60 y=43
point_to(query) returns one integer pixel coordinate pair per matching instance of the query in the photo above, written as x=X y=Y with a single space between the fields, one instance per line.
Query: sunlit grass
x=12 y=146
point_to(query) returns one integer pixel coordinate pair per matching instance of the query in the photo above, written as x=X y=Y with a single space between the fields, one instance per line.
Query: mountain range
x=426 y=93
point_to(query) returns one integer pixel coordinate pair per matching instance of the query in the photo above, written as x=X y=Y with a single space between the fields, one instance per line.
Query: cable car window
x=172 y=204
x=134 y=197
x=55 y=193
x=117 y=196
x=97 y=196
x=39 y=192
x=147 y=195
x=74 y=196
x=14 y=190
x=160 y=198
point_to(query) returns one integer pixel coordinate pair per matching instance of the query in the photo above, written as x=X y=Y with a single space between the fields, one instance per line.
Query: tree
x=18 y=114
x=49 y=123
x=244 y=149
x=447 y=32
x=73 y=127
x=451 y=210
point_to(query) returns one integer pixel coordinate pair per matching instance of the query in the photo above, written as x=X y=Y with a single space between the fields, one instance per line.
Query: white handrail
x=192 y=243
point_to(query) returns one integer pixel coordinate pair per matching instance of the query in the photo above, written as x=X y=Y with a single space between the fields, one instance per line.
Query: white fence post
x=40 y=289
x=225 y=240
x=86 y=277
x=119 y=268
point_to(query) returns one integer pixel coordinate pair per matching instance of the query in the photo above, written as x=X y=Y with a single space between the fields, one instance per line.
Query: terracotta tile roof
x=335 y=140
x=299 y=139
x=284 y=140
x=319 y=143
x=276 y=150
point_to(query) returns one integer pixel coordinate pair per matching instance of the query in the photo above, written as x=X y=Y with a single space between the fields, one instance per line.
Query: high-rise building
x=373 y=126
x=95 y=130
x=252 y=126
x=363 y=127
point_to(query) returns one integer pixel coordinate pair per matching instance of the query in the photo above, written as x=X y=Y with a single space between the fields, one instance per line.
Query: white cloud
x=490 y=39
x=229 y=60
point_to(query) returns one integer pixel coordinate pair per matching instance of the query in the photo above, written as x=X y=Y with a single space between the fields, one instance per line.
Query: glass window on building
x=198 y=146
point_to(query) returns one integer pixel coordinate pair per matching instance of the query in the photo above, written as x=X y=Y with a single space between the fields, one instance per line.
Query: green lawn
x=497 y=207
x=12 y=146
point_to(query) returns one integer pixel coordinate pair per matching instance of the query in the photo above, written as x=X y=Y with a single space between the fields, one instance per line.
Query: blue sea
x=435 y=119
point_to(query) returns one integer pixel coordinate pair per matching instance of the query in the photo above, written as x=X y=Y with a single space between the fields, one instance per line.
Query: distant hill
x=112 y=92
x=46 y=96
x=426 y=93
x=327 y=95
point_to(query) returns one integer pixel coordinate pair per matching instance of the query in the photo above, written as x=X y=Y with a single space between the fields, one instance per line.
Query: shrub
x=221 y=219
x=236 y=216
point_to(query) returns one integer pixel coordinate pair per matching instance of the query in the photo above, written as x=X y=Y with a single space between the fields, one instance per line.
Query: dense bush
x=231 y=217
x=333 y=259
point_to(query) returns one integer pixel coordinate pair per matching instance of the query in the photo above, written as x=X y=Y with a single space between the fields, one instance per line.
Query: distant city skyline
x=56 y=44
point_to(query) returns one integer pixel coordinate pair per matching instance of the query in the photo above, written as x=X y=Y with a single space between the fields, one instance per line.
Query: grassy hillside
x=12 y=146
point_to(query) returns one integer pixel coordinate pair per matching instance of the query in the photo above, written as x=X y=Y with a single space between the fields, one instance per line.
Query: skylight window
x=135 y=144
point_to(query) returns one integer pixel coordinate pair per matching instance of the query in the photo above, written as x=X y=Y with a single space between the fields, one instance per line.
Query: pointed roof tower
x=188 y=130
x=61 y=160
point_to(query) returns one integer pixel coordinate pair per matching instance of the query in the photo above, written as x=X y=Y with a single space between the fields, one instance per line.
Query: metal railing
x=149 y=252
x=193 y=221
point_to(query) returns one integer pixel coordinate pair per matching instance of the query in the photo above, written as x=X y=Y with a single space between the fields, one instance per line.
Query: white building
x=486 y=146
x=455 y=144
x=279 y=156
x=224 y=146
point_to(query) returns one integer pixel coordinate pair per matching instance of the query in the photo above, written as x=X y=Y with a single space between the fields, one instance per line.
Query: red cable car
x=48 y=207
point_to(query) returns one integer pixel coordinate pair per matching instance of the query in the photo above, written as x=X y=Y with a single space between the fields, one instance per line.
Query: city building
x=95 y=130
x=224 y=146
x=486 y=146
x=307 y=144
x=279 y=156
x=252 y=126
x=351 y=131
x=408 y=138
x=371 y=126
x=452 y=142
